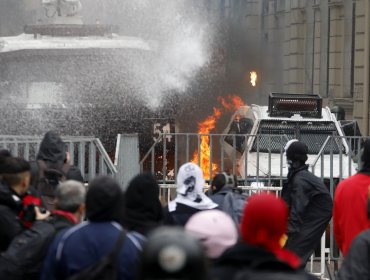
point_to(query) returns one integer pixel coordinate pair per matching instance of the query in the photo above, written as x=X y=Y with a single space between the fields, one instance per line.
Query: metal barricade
x=87 y=153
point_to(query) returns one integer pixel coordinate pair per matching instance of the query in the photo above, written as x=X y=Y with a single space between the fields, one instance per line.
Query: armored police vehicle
x=258 y=134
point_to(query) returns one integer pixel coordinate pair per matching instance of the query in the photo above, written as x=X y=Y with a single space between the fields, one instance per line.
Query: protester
x=142 y=208
x=349 y=215
x=170 y=253
x=52 y=166
x=190 y=197
x=214 y=229
x=26 y=253
x=259 y=254
x=87 y=243
x=14 y=184
x=356 y=264
x=309 y=202
x=222 y=184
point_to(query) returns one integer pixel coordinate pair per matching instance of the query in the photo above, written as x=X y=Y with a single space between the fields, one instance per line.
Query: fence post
x=128 y=157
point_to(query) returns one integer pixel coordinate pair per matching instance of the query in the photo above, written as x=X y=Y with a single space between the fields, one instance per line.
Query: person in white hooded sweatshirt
x=190 y=198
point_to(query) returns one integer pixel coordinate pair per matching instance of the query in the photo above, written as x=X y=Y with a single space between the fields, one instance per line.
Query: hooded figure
x=259 y=254
x=190 y=198
x=51 y=168
x=83 y=245
x=350 y=202
x=142 y=208
x=309 y=202
x=54 y=154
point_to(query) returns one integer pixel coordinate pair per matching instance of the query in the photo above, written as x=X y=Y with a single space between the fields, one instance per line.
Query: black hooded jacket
x=10 y=206
x=53 y=152
x=243 y=261
x=310 y=210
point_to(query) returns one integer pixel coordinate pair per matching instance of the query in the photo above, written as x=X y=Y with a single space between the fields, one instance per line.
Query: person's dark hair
x=13 y=169
x=218 y=182
x=297 y=152
x=142 y=207
x=70 y=195
x=104 y=200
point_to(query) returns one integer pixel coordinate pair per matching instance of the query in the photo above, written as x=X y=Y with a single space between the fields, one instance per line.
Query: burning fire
x=230 y=103
x=253 y=76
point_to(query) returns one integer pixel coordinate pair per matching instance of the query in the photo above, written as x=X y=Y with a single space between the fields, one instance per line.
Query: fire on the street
x=253 y=76
x=230 y=103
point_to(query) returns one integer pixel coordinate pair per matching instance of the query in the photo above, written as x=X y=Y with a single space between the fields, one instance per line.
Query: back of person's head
x=214 y=229
x=189 y=179
x=171 y=253
x=223 y=180
x=365 y=157
x=104 y=200
x=52 y=148
x=296 y=151
x=142 y=208
x=70 y=195
x=15 y=170
x=264 y=221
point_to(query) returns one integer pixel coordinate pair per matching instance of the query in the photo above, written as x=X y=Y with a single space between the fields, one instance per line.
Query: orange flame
x=205 y=127
x=253 y=76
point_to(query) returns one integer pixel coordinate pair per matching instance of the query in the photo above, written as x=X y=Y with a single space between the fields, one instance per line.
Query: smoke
x=180 y=37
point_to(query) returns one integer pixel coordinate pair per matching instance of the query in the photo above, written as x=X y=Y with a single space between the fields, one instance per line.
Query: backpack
x=233 y=205
x=106 y=268
x=48 y=179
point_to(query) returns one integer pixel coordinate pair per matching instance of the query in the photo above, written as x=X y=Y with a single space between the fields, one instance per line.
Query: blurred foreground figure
x=309 y=202
x=350 y=201
x=170 y=253
x=26 y=253
x=214 y=229
x=259 y=254
x=82 y=246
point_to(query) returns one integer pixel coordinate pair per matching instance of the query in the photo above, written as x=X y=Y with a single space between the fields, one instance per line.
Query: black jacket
x=243 y=261
x=356 y=264
x=53 y=152
x=10 y=225
x=310 y=210
x=180 y=216
x=24 y=258
x=219 y=197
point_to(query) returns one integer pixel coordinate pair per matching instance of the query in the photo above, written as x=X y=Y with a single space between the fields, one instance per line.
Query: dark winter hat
x=14 y=165
x=170 y=253
x=52 y=148
x=104 y=200
x=142 y=208
x=297 y=151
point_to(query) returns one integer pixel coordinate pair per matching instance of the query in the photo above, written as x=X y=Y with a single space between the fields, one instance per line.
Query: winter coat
x=85 y=244
x=242 y=260
x=26 y=253
x=219 y=197
x=310 y=210
x=356 y=264
x=53 y=152
x=350 y=209
x=180 y=216
x=10 y=225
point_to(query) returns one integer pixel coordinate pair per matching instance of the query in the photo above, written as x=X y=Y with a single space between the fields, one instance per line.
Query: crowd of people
x=54 y=227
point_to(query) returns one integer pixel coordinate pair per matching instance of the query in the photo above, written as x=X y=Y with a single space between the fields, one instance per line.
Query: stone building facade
x=312 y=46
